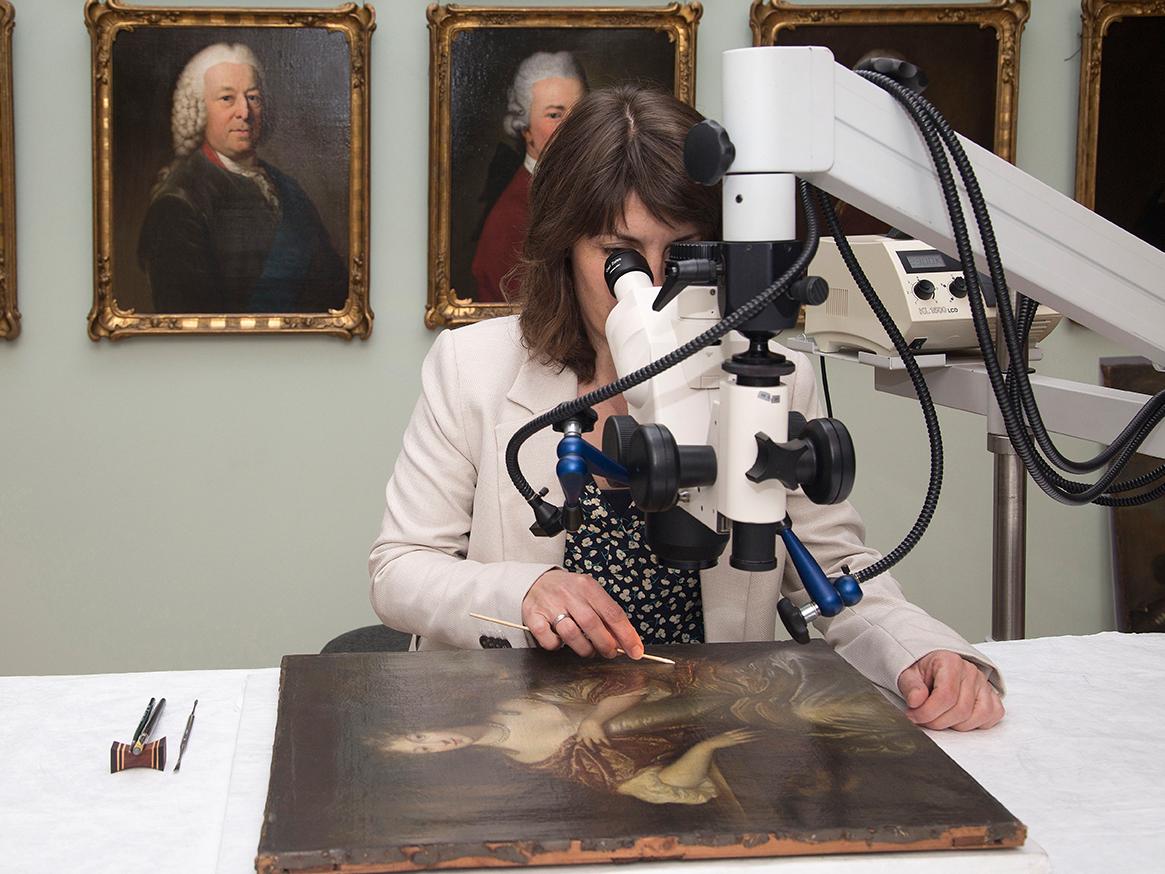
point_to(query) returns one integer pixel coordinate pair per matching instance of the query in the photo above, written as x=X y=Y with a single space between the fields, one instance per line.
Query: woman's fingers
x=573 y=637
x=539 y=626
x=593 y=621
x=616 y=622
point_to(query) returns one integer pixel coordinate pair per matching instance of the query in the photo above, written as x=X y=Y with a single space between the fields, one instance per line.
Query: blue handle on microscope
x=575 y=458
x=572 y=474
x=813 y=578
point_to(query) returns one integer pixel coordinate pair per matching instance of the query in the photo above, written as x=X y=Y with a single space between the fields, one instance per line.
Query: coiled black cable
x=1066 y=492
x=1150 y=414
x=1015 y=337
x=728 y=323
x=933 y=432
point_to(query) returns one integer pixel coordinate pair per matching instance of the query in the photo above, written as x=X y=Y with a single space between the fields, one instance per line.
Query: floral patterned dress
x=663 y=603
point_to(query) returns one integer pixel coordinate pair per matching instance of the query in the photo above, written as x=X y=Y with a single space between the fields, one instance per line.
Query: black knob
x=924 y=290
x=653 y=463
x=708 y=152
x=617 y=437
x=585 y=418
x=836 y=462
x=959 y=287
x=794 y=622
x=811 y=290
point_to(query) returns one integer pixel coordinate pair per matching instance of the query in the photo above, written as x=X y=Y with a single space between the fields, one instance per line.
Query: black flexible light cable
x=933 y=431
x=1020 y=392
x=1153 y=411
x=1076 y=493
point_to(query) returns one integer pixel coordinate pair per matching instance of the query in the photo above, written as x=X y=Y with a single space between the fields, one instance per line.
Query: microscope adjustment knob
x=836 y=461
x=924 y=289
x=708 y=152
x=585 y=418
x=794 y=621
x=653 y=462
x=617 y=437
x=959 y=287
x=811 y=290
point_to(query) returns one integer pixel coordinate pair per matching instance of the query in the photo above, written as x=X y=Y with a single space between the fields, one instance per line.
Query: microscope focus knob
x=924 y=289
x=617 y=437
x=793 y=620
x=708 y=152
x=811 y=290
x=658 y=468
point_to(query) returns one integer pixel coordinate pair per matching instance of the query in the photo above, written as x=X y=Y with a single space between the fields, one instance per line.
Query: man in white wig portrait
x=545 y=87
x=226 y=232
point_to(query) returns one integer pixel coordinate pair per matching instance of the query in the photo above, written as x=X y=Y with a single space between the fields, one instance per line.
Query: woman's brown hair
x=615 y=142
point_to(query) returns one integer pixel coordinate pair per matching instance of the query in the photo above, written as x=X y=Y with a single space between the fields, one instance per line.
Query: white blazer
x=455 y=536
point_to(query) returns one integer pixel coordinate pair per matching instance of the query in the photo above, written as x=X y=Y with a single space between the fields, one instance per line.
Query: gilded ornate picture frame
x=9 y=314
x=969 y=52
x=230 y=166
x=500 y=80
x=1120 y=139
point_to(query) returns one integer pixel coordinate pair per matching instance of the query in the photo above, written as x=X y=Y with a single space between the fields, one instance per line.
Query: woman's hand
x=732 y=738
x=593 y=621
x=590 y=732
x=944 y=690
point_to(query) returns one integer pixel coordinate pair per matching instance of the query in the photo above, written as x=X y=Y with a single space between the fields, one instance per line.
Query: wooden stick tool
x=648 y=656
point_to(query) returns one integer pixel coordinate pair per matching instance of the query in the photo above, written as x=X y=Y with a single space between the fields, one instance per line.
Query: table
x=1078 y=758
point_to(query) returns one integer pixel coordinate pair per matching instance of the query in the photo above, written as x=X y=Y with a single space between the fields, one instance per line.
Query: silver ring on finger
x=554 y=622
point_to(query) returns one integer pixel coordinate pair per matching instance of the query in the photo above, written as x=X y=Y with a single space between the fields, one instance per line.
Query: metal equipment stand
x=1008 y=541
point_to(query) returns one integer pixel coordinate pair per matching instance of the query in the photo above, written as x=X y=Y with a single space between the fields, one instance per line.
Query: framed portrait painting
x=969 y=53
x=501 y=80
x=9 y=314
x=1120 y=140
x=230 y=153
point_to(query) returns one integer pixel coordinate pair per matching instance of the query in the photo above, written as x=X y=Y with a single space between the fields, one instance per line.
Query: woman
x=454 y=537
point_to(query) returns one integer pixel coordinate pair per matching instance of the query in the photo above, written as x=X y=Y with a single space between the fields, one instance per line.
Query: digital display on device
x=925 y=261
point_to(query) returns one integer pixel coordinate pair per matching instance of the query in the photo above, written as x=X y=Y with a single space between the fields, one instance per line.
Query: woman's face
x=428 y=742
x=638 y=230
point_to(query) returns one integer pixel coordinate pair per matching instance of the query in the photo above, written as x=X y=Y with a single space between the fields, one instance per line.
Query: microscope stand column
x=1008 y=541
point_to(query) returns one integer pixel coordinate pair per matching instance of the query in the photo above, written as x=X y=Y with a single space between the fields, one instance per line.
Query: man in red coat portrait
x=545 y=87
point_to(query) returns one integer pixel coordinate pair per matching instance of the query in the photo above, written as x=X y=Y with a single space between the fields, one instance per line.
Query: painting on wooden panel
x=230 y=170
x=1120 y=149
x=501 y=82
x=387 y=762
x=968 y=52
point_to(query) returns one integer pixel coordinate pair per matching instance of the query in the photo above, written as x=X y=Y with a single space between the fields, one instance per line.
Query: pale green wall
x=208 y=502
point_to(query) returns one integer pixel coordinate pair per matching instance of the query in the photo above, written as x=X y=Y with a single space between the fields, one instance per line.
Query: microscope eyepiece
x=623 y=262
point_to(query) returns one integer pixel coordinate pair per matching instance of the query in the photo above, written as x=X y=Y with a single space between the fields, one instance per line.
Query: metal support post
x=1008 y=541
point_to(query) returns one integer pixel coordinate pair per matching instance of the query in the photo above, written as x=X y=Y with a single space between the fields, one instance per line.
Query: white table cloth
x=1078 y=759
